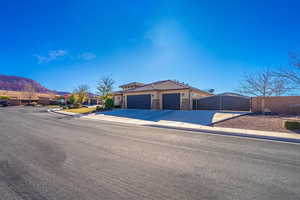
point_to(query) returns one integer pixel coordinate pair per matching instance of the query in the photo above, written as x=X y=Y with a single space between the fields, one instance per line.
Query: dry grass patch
x=53 y=106
x=80 y=110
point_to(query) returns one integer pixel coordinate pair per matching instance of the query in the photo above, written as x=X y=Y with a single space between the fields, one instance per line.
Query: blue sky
x=208 y=44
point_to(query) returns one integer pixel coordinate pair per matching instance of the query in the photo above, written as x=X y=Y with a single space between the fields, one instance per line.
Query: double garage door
x=139 y=101
x=169 y=101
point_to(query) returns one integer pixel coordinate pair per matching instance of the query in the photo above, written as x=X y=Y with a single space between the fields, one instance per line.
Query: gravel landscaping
x=259 y=122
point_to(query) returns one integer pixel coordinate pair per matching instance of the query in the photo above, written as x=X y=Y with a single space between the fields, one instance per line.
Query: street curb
x=58 y=111
x=273 y=138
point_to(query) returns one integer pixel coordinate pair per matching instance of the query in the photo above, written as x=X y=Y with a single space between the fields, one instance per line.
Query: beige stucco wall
x=186 y=97
x=118 y=100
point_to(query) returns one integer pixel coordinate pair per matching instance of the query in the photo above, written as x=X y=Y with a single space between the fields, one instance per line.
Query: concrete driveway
x=199 y=117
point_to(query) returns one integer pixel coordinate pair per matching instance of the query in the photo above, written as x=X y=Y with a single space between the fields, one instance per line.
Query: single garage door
x=139 y=101
x=171 y=101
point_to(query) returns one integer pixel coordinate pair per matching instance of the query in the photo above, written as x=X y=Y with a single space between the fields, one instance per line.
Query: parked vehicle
x=31 y=104
x=4 y=103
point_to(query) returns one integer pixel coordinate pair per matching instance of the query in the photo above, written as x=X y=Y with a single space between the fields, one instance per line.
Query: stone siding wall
x=155 y=104
x=185 y=104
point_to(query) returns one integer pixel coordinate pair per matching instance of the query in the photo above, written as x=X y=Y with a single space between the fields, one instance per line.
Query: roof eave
x=127 y=91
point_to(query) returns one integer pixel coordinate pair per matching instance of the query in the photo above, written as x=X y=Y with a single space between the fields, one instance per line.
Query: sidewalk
x=278 y=136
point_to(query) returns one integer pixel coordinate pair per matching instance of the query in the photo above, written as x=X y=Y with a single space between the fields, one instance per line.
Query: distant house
x=22 y=97
x=165 y=94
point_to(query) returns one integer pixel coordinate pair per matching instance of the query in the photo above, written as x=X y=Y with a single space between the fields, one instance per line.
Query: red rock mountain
x=16 y=83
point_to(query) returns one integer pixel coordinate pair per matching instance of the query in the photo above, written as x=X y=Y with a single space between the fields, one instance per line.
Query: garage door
x=171 y=101
x=139 y=101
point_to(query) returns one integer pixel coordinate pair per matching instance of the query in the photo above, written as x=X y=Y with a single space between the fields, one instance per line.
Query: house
x=23 y=97
x=165 y=94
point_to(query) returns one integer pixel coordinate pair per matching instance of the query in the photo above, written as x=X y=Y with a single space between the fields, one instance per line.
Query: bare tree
x=30 y=91
x=292 y=72
x=105 y=86
x=281 y=86
x=82 y=93
x=264 y=83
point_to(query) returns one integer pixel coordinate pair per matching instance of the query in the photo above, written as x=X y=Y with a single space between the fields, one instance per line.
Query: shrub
x=109 y=103
x=4 y=98
x=292 y=125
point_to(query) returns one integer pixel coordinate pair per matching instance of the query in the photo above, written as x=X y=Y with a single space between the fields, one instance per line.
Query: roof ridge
x=189 y=87
x=157 y=82
x=181 y=84
x=134 y=82
x=154 y=83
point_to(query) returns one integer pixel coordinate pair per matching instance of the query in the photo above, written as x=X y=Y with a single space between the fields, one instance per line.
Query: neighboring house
x=166 y=94
x=22 y=97
x=93 y=100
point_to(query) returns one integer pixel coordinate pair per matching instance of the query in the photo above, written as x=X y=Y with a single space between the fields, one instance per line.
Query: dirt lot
x=259 y=122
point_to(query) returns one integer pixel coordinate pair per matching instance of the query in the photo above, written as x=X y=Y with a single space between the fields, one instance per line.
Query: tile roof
x=132 y=83
x=117 y=92
x=163 y=85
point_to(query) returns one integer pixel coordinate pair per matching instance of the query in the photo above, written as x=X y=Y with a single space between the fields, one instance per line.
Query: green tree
x=72 y=99
x=4 y=97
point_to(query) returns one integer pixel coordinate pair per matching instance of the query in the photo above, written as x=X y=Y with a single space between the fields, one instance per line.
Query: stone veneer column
x=185 y=104
x=155 y=104
x=124 y=101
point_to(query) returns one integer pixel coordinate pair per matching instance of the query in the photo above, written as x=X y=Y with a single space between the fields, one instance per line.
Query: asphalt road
x=49 y=156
